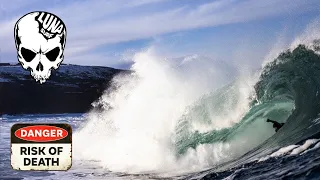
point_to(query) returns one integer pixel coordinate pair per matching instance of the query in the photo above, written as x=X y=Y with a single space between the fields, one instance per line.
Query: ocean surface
x=161 y=123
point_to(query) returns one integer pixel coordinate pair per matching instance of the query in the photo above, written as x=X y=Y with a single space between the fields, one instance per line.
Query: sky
x=110 y=32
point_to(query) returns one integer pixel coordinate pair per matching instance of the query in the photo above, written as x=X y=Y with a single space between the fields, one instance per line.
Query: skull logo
x=40 y=39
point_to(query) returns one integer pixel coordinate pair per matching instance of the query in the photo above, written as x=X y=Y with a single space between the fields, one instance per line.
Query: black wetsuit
x=276 y=125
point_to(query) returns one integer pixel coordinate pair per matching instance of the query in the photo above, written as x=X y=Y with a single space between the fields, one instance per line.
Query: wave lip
x=287 y=91
x=293 y=77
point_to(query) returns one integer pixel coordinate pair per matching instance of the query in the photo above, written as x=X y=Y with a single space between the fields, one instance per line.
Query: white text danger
x=42 y=133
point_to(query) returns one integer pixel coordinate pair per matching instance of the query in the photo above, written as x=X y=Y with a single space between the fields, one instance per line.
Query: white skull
x=37 y=52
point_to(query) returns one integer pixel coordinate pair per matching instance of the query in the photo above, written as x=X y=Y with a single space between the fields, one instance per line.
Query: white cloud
x=135 y=3
x=91 y=24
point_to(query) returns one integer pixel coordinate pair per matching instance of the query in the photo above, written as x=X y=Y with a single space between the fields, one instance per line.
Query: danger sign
x=41 y=146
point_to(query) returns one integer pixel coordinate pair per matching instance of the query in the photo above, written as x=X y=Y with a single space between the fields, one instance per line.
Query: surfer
x=276 y=125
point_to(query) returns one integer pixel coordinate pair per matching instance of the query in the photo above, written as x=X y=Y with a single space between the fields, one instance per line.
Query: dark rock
x=70 y=89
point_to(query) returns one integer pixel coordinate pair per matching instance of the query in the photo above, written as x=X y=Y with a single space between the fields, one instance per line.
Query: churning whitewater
x=138 y=128
x=170 y=118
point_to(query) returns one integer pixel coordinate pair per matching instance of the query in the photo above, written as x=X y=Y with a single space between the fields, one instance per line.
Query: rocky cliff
x=70 y=89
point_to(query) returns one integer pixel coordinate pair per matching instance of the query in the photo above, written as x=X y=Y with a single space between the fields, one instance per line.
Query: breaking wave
x=165 y=118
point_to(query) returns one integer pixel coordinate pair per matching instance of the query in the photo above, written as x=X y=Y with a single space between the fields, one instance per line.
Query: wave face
x=160 y=122
x=287 y=91
x=294 y=76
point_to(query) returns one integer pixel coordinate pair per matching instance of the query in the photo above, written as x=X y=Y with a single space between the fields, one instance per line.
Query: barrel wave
x=287 y=91
x=162 y=121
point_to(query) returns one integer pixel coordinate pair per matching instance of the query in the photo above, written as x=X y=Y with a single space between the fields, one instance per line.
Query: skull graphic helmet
x=40 y=39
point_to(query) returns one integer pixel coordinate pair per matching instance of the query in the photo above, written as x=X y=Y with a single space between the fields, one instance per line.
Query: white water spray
x=134 y=132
